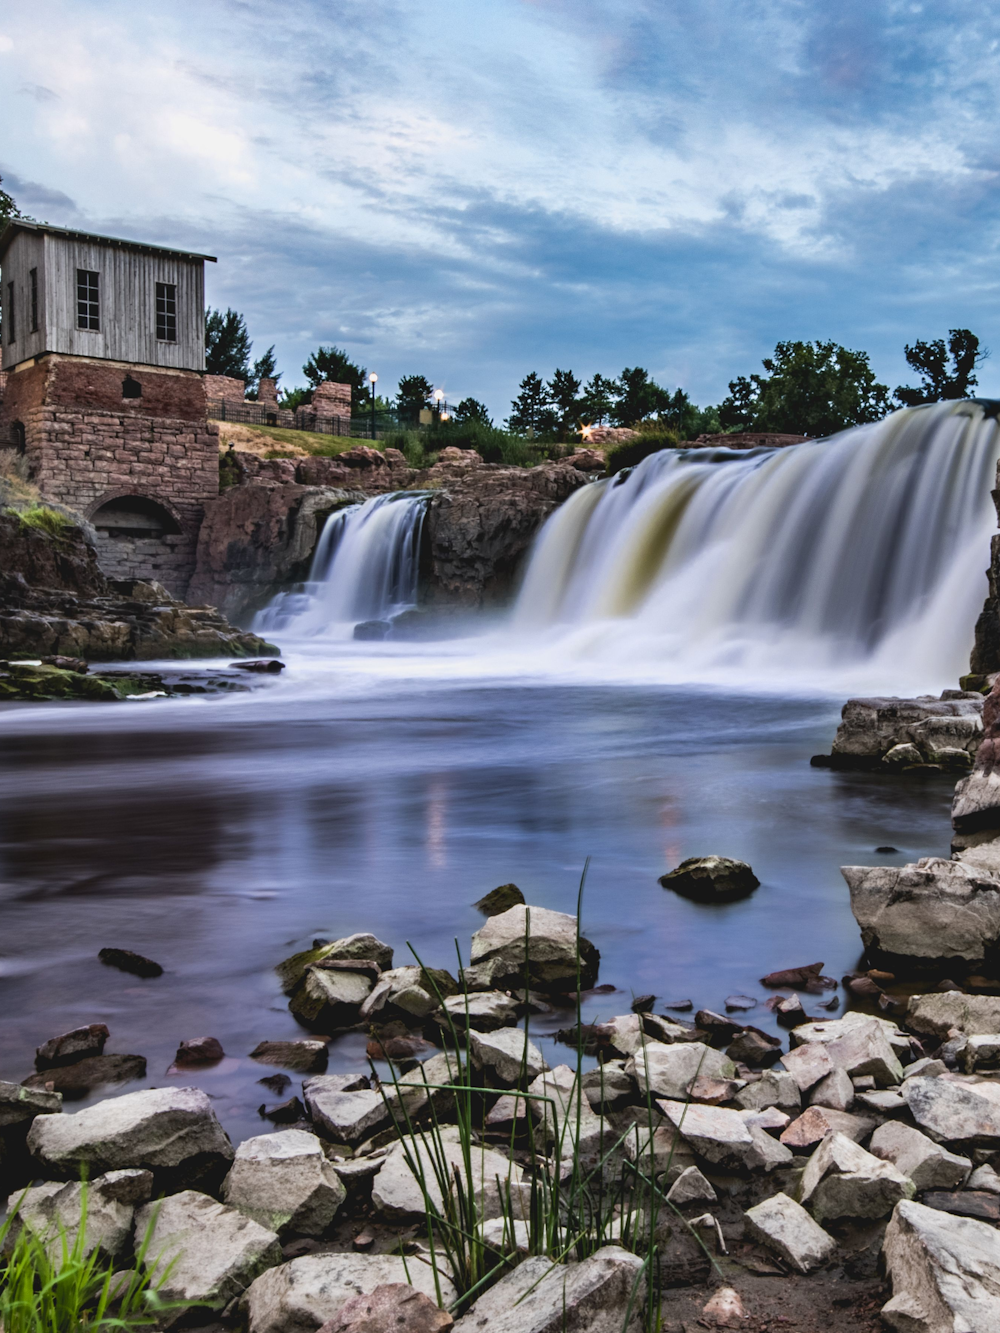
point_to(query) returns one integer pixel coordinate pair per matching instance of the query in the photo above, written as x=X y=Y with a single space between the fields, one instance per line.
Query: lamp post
x=372 y=379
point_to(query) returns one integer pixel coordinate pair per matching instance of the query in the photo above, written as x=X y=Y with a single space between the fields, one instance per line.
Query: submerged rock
x=77 y=1079
x=304 y=1057
x=128 y=961
x=198 y=1051
x=72 y=1046
x=711 y=879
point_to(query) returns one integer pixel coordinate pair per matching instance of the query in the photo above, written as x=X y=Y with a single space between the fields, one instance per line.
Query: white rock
x=328 y=1001
x=507 y=1237
x=985 y=1178
x=771 y=1152
x=945 y=1272
x=567 y=1122
x=541 y=1297
x=481 y=1011
x=835 y=1090
x=927 y=1164
x=715 y=1133
x=507 y=1056
x=172 y=1132
x=785 y=1227
x=498 y=951
x=841 y=1179
x=363 y=947
x=667 y=1071
x=397 y=1192
x=608 y=1086
x=284 y=1182
x=299 y=1296
x=345 y=1117
x=405 y=988
x=53 y=1210
x=415 y=1091
x=808 y=1065
x=773 y=1088
x=981 y=1052
x=209 y=1252
x=770 y=1119
x=826 y=1030
x=691 y=1187
x=952 y=1112
x=940 y=1011
x=661 y=1152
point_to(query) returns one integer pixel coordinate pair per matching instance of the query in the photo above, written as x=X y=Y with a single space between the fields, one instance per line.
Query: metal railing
x=264 y=414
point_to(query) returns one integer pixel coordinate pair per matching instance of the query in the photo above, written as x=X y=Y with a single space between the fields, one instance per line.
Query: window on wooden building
x=88 y=309
x=33 y=281
x=8 y=313
x=166 y=312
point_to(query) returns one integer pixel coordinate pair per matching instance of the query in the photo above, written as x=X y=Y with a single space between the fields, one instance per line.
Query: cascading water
x=365 y=568
x=868 y=547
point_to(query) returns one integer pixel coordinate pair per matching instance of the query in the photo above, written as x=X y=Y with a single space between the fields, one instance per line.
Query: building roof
x=16 y=225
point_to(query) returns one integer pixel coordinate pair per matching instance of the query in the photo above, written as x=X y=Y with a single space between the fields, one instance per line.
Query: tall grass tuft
x=52 y=1285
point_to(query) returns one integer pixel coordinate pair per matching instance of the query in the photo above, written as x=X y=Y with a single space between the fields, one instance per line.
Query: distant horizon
x=474 y=194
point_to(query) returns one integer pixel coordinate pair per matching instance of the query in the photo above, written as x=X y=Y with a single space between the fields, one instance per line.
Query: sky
x=474 y=190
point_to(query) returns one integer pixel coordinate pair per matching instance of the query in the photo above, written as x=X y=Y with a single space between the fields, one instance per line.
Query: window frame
x=166 y=318
x=88 y=321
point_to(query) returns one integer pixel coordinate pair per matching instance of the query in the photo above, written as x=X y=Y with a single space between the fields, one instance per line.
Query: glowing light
x=586 y=431
x=373 y=377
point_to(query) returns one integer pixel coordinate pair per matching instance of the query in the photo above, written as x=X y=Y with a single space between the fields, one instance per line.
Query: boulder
x=668 y=1071
x=499 y=947
x=977 y=798
x=172 y=1132
x=396 y=1306
x=541 y=1297
x=19 y=1105
x=871 y=728
x=944 y=1270
x=53 y=1212
x=95 y=1071
x=857 y=1044
x=934 y=912
x=208 y=1253
x=344 y=1116
x=841 y=1179
x=566 y=1121
x=507 y=1058
x=814 y=1124
x=351 y=948
x=480 y=1011
x=408 y=993
x=714 y=1133
x=784 y=1226
x=937 y=1013
x=330 y=1000
x=926 y=1163
x=754 y=1048
x=711 y=879
x=414 y=1092
x=953 y=1112
x=284 y=1182
x=198 y=1051
x=72 y=1046
x=691 y=1187
x=304 y=1057
x=808 y=1065
x=301 y=1296
x=835 y=1091
x=399 y=1195
x=126 y=960
x=500 y=900
x=660 y=1152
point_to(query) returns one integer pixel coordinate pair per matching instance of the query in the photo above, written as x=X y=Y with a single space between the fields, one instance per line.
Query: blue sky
x=474 y=190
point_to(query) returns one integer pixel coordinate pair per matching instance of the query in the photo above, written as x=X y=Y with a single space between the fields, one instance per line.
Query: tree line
x=806 y=388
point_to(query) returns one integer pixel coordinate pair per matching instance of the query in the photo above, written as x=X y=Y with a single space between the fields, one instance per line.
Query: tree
x=639 y=397
x=333 y=363
x=412 y=396
x=598 y=399
x=812 y=388
x=930 y=361
x=227 y=344
x=564 y=395
x=471 y=409
x=264 y=368
x=8 y=208
x=530 y=410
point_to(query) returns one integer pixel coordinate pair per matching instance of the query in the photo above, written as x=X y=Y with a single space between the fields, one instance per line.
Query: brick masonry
x=86 y=444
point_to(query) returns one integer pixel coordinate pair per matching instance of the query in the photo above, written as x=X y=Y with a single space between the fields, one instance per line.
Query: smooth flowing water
x=386 y=787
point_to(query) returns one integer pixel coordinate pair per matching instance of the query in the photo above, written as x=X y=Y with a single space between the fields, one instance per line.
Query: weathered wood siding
x=127 y=285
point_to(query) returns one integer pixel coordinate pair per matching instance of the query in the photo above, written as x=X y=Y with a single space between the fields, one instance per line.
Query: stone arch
x=133 y=514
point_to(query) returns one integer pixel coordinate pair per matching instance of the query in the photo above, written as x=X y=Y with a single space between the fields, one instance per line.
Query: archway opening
x=134 y=516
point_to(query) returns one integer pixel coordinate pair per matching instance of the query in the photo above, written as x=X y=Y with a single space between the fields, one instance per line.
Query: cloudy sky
x=471 y=190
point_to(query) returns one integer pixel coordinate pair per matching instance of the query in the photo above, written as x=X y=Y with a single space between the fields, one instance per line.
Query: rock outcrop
x=54 y=600
x=899 y=734
x=977 y=797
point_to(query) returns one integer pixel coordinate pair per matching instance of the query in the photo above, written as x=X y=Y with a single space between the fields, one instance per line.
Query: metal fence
x=263 y=414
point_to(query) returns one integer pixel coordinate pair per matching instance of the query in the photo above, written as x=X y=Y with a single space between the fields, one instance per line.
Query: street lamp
x=373 y=379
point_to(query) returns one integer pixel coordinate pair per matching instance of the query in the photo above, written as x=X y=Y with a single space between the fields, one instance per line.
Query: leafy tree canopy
x=638 y=398
x=8 y=208
x=471 y=409
x=333 y=363
x=412 y=396
x=939 y=382
x=227 y=344
x=564 y=396
x=812 y=388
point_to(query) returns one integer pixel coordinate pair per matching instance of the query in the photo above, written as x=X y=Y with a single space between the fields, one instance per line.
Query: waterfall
x=868 y=546
x=365 y=568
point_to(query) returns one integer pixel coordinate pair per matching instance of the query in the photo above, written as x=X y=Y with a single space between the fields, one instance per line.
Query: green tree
x=598 y=399
x=530 y=410
x=8 y=208
x=939 y=382
x=564 y=395
x=333 y=363
x=639 y=397
x=264 y=368
x=227 y=344
x=471 y=409
x=812 y=388
x=413 y=394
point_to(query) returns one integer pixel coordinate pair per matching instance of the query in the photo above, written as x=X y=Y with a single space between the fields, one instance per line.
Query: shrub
x=649 y=441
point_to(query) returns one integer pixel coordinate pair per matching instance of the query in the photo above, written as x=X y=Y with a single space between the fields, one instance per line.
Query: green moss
x=42 y=517
x=19 y=681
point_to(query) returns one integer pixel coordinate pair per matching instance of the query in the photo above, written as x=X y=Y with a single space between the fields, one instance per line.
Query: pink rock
x=396 y=1306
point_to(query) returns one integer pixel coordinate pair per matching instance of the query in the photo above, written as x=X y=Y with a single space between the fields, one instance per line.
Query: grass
x=57 y=1288
x=45 y=518
x=569 y=1215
